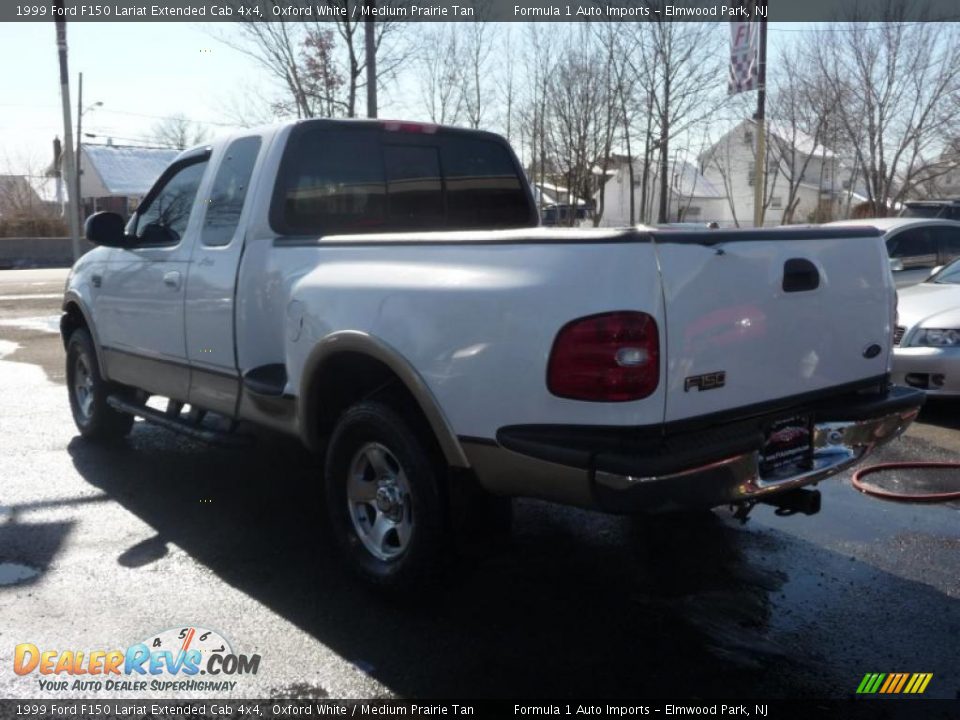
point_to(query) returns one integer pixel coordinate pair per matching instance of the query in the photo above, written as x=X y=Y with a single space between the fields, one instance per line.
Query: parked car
x=382 y=291
x=947 y=209
x=915 y=245
x=927 y=339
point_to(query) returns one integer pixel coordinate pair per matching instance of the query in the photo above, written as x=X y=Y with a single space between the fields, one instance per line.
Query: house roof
x=127 y=170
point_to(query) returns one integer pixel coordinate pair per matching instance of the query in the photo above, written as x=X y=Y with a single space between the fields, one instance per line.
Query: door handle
x=800 y=275
x=172 y=279
x=96 y=280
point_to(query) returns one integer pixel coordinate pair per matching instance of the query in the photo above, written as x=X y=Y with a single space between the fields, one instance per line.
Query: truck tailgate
x=762 y=315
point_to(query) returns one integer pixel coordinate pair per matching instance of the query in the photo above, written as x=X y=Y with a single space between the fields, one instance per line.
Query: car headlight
x=930 y=337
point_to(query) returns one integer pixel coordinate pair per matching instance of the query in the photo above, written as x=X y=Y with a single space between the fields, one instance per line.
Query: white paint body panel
x=477 y=322
x=727 y=311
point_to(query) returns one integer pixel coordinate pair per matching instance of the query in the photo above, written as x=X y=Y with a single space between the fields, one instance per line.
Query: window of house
x=776 y=201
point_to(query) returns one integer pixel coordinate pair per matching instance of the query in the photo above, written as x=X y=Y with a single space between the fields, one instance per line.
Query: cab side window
x=165 y=219
x=229 y=192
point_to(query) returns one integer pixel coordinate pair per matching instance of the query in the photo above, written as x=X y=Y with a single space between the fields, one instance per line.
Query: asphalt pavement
x=101 y=547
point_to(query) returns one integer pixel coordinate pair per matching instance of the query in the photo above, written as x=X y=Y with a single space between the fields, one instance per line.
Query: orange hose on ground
x=907 y=497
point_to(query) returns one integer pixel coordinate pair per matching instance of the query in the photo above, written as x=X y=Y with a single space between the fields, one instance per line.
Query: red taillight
x=613 y=357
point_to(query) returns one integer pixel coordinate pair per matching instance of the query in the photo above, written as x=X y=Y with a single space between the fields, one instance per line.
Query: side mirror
x=896 y=264
x=105 y=228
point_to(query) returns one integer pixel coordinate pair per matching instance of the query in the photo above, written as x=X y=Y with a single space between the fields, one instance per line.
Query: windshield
x=921 y=211
x=950 y=275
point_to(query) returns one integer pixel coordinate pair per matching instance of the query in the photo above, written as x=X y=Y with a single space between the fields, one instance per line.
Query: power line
x=121 y=112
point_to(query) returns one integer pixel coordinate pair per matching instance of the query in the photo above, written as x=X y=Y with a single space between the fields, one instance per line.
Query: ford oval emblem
x=871 y=351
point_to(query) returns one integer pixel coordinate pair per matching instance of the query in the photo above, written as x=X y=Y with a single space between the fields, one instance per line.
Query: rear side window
x=332 y=183
x=229 y=191
x=357 y=180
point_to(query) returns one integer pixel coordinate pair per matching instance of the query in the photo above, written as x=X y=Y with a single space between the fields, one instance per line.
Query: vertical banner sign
x=744 y=61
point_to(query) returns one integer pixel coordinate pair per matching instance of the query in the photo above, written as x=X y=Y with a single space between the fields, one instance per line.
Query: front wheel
x=94 y=418
x=382 y=497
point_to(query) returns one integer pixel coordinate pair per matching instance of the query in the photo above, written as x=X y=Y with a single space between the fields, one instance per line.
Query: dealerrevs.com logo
x=168 y=661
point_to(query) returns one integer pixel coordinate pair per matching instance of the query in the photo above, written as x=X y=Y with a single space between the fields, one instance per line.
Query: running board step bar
x=178 y=424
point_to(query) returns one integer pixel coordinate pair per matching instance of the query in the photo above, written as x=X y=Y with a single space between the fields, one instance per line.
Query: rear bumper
x=624 y=470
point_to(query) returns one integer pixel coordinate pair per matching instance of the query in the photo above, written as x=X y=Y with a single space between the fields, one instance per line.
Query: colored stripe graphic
x=894 y=683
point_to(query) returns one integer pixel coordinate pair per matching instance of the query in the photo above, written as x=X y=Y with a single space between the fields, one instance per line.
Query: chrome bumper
x=837 y=446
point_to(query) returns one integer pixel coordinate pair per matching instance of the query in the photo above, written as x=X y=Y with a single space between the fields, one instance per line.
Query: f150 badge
x=707 y=381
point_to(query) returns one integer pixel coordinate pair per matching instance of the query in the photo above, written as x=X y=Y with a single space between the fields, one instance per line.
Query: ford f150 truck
x=382 y=291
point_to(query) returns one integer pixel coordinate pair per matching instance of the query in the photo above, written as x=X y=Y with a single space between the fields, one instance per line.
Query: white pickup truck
x=382 y=291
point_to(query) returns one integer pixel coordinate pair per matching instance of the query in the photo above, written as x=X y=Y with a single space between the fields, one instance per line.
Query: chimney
x=57 y=157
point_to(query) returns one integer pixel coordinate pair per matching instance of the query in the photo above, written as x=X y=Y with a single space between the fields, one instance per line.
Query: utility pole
x=369 y=41
x=79 y=135
x=760 y=166
x=73 y=214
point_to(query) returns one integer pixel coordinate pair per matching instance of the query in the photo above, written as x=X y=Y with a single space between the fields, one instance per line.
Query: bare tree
x=24 y=182
x=539 y=63
x=897 y=81
x=439 y=75
x=317 y=71
x=678 y=71
x=276 y=47
x=388 y=51
x=477 y=44
x=178 y=131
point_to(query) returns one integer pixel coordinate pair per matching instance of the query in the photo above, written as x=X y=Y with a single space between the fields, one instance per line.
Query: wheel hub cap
x=378 y=501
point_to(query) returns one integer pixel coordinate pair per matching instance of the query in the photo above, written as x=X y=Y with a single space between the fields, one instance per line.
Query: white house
x=692 y=197
x=825 y=185
x=116 y=177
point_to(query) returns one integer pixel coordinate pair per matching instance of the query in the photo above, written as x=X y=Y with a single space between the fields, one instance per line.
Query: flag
x=744 y=57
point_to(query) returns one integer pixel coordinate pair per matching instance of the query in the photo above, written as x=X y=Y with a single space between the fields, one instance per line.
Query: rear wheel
x=94 y=418
x=383 y=499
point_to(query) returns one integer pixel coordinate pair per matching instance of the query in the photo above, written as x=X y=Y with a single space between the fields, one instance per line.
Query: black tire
x=404 y=487
x=94 y=419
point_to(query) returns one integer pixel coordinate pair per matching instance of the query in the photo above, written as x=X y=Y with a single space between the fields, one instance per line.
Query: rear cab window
x=338 y=178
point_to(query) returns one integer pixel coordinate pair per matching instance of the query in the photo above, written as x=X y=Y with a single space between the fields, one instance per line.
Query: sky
x=141 y=72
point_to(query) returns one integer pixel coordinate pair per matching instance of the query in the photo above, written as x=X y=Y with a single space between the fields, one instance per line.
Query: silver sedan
x=927 y=341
